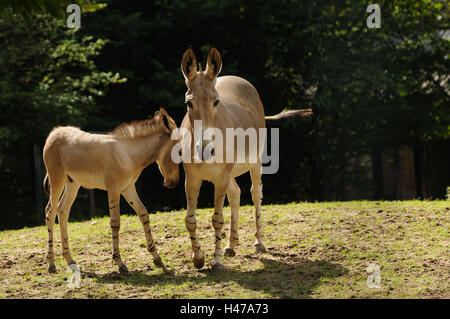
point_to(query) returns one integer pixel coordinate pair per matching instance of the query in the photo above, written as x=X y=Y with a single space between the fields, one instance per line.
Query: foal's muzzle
x=170 y=183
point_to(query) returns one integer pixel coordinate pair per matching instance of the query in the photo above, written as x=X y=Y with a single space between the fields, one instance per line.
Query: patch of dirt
x=312 y=249
x=6 y=264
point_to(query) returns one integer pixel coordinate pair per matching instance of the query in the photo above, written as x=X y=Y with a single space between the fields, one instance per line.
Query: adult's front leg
x=133 y=199
x=114 y=220
x=220 y=189
x=192 y=188
x=233 y=195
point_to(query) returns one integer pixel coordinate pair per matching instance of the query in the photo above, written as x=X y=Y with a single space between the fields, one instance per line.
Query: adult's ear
x=213 y=64
x=189 y=64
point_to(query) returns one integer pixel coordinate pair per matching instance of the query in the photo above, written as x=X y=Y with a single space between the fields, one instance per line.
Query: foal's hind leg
x=132 y=198
x=256 y=190
x=56 y=179
x=63 y=216
x=234 y=197
x=50 y=221
x=114 y=221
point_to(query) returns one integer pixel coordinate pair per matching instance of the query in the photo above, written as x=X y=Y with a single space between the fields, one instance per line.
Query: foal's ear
x=166 y=120
x=213 y=64
x=189 y=64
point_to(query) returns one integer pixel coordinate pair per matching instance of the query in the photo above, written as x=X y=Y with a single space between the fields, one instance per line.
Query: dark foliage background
x=371 y=90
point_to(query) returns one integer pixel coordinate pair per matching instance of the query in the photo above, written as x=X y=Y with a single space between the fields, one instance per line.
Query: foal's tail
x=289 y=113
x=46 y=185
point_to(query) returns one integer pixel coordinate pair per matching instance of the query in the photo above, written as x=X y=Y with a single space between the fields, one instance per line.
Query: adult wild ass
x=111 y=162
x=221 y=103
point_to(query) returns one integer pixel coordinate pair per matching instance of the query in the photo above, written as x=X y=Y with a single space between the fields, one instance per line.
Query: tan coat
x=111 y=162
x=222 y=102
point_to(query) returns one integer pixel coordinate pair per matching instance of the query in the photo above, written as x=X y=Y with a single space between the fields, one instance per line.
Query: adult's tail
x=46 y=185
x=289 y=113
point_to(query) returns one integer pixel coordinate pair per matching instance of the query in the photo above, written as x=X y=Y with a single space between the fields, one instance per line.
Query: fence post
x=38 y=182
x=91 y=203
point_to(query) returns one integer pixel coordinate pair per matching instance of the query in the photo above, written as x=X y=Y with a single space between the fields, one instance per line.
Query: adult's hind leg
x=63 y=216
x=256 y=190
x=56 y=179
x=234 y=199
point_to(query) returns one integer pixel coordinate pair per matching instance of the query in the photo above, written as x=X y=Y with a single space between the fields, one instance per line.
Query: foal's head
x=202 y=98
x=168 y=168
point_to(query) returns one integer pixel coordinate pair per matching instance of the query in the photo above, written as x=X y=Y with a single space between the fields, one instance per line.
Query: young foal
x=111 y=162
x=221 y=103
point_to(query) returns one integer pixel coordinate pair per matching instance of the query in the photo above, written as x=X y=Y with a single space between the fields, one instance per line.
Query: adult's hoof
x=260 y=248
x=123 y=269
x=51 y=268
x=229 y=252
x=217 y=267
x=158 y=262
x=200 y=262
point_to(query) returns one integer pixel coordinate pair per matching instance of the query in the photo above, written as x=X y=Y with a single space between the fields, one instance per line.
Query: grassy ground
x=315 y=250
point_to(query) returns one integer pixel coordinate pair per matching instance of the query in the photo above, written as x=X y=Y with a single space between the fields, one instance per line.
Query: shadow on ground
x=290 y=277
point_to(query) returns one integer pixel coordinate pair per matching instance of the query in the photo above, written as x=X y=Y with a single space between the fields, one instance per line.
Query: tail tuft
x=45 y=184
x=286 y=113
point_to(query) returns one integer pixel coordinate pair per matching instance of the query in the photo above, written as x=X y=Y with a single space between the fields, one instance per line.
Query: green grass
x=315 y=250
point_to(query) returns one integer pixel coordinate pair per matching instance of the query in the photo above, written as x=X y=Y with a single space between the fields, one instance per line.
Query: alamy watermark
x=374 y=19
x=74 y=279
x=74 y=19
x=374 y=278
x=235 y=145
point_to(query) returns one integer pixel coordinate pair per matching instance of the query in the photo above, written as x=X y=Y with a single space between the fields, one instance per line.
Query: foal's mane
x=137 y=129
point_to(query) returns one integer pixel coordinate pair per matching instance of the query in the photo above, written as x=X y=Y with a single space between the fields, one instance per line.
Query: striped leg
x=132 y=198
x=192 y=188
x=256 y=190
x=234 y=196
x=50 y=221
x=63 y=216
x=114 y=213
x=220 y=189
x=56 y=188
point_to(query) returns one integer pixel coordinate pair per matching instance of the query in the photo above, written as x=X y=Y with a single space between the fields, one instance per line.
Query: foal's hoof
x=199 y=263
x=260 y=248
x=229 y=252
x=123 y=269
x=51 y=268
x=217 y=267
x=158 y=262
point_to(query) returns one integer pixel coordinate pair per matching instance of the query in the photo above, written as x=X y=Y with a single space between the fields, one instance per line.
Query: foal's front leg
x=114 y=213
x=132 y=198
